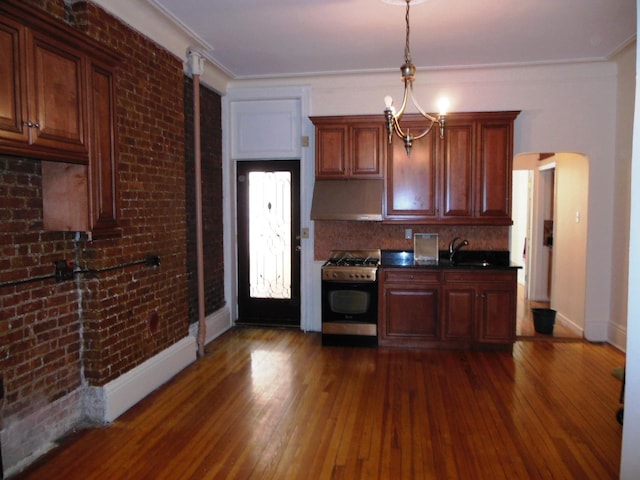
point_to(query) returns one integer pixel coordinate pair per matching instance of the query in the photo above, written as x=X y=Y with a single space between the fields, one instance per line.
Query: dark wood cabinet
x=480 y=306
x=464 y=178
x=410 y=307
x=434 y=308
x=349 y=147
x=459 y=313
x=44 y=106
x=57 y=104
x=411 y=181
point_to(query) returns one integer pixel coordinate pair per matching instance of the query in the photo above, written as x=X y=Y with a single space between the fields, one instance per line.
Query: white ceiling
x=271 y=38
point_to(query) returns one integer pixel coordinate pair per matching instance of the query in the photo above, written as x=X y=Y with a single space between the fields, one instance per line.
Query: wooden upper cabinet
x=57 y=104
x=411 y=187
x=45 y=69
x=494 y=163
x=12 y=81
x=464 y=178
x=349 y=147
x=103 y=171
x=458 y=171
x=57 y=101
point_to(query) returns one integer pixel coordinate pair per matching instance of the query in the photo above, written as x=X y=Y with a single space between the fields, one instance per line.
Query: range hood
x=347 y=200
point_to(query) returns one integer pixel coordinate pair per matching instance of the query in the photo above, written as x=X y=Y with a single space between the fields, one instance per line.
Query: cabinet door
x=367 y=150
x=57 y=102
x=497 y=313
x=411 y=312
x=457 y=171
x=459 y=312
x=494 y=165
x=411 y=179
x=332 y=149
x=102 y=164
x=12 y=81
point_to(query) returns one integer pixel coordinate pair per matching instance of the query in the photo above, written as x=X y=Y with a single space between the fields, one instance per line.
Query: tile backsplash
x=339 y=235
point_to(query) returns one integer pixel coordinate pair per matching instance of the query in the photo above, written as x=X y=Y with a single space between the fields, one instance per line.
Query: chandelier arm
x=398 y=129
x=419 y=108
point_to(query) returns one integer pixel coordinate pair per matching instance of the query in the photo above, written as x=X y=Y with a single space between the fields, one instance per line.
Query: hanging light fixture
x=393 y=118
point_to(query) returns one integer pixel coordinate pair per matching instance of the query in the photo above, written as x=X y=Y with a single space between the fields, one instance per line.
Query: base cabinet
x=447 y=309
x=411 y=306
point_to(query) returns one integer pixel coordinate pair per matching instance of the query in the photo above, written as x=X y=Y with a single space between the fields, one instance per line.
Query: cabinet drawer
x=410 y=276
x=468 y=276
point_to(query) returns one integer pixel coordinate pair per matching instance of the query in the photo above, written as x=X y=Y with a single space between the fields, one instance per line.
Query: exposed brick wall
x=211 y=171
x=54 y=337
x=40 y=342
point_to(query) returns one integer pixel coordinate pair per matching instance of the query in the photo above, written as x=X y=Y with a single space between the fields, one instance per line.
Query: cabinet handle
x=31 y=124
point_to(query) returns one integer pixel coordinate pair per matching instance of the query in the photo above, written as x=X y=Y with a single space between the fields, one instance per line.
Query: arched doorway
x=550 y=229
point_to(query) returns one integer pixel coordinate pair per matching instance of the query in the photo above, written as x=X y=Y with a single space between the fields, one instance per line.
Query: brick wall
x=57 y=336
x=211 y=159
x=40 y=342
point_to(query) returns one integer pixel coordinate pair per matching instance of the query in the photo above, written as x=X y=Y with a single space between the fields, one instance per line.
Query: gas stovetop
x=352 y=265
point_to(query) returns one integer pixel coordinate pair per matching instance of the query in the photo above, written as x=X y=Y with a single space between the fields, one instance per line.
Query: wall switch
x=304 y=233
x=408 y=234
x=304 y=141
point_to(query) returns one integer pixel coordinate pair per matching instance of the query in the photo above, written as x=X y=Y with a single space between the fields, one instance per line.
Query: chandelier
x=408 y=71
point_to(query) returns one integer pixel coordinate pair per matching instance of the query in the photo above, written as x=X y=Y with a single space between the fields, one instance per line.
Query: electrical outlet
x=408 y=234
x=64 y=270
x=304 y=233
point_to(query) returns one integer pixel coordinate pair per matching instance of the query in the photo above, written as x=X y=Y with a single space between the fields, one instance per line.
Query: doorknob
x=298 y=248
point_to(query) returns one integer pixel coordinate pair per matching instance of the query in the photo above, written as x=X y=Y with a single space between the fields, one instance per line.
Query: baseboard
x=216 y=324
x=128 y=389
x=618 y=336
x=566 y=322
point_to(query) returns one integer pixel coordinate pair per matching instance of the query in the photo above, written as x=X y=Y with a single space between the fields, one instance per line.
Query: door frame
x=257 y=305
x=309 y=269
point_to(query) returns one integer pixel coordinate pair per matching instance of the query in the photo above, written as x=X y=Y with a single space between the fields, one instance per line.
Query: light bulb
x=388 y=101
x=443 y=105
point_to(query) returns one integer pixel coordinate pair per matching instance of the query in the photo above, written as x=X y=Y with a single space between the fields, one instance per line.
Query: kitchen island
x=466 y=304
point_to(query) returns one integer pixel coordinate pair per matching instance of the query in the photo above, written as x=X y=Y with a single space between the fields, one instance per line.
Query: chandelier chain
x=407 y=50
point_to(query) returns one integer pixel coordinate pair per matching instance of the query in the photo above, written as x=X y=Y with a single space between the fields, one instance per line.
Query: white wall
x=624 y=133
x=519 y=208
x=630 y=462
x=570 y=239
x=564 y=108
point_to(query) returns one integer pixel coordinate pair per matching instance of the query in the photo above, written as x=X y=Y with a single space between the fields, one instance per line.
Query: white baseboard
x=125 y=391
x=565 y=321
x=618 y=336
x=216 y=324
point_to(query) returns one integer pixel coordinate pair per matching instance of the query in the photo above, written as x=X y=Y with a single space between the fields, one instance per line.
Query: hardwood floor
x=275 y=404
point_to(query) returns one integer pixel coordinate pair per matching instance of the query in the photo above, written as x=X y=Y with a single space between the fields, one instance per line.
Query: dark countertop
x=464 y=259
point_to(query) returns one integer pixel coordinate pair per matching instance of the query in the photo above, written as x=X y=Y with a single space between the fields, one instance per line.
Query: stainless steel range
x=350 y=298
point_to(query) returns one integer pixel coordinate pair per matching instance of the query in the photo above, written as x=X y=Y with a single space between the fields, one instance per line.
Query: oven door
x=349 y=312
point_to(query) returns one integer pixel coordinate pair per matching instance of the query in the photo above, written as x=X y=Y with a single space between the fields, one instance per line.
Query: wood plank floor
x=275 y=404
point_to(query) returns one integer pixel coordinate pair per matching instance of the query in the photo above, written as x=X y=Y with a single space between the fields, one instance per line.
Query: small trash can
x=543 y=320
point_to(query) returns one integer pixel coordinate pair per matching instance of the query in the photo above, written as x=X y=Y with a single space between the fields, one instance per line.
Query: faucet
x=454 y=247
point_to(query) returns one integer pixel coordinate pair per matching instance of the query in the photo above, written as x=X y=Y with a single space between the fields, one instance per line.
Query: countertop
x=464 y=259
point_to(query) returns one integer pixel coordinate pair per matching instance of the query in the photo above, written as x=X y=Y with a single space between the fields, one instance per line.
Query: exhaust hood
x=347 y=200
